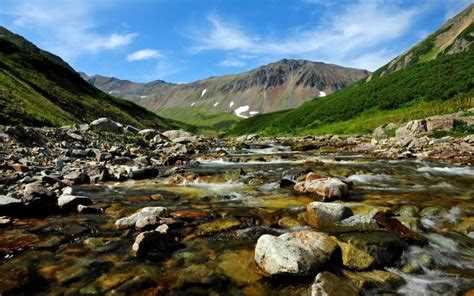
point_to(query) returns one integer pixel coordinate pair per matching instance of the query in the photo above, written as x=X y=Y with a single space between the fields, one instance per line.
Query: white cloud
x=143 y=54
x=232 y=62
x=65 y=27
x=344 y=36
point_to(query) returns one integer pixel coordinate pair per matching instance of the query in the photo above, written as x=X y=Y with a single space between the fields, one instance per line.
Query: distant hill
x=38 y=88
x=435 y=76
x=277 y=86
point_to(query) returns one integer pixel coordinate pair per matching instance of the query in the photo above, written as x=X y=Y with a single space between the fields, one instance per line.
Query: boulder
x=176 y=134
x=327 y=188
x=76 y=178
x=440 y=123
x=108 y=125
x=82 y=209
x=71 y=202
x=296 y=253
x=328 y=284
x=411 y=129
x=148 y=133
x=10 y=206
x=144 y=173
x=323 y=215
x=385 y=247
x=155 y=244
x=357 y=223
x=143 y=218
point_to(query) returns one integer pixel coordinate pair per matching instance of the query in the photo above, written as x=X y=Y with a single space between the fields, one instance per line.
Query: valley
x=292 y=178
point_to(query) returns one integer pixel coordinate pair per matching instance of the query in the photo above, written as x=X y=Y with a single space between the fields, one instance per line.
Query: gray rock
x=106 y=124
x=323 y=215
x=411 y=129
x=76 y=178
x=83 y=209
x=144 y=217
x=176 y=134
x=296 y=253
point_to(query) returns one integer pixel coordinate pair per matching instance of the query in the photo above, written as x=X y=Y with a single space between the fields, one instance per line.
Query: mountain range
x=277 y=86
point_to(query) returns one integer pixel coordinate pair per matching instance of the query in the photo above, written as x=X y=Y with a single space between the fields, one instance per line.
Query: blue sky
x=187 y=40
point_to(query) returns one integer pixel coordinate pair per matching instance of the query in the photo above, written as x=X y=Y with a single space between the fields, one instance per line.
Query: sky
x=186 y=40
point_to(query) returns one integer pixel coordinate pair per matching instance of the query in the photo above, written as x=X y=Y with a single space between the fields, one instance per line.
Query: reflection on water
x=86 y=254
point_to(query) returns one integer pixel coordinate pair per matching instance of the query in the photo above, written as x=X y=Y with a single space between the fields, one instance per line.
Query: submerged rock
x=145 y=217
x=385 y=247
x=327 y=188
x=155 y=244
x=296 y=253
x=323 y=215
x=374 y=279
x=328 y=284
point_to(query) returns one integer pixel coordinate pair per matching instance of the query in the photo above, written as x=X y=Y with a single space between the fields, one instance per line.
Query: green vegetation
x=203 y=120
x=38 y=88
x=443 y=85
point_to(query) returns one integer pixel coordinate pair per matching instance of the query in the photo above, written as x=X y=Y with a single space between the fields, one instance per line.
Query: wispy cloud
x=66 y=27
x=144 y=54
x=232 y=62
x=345 y=36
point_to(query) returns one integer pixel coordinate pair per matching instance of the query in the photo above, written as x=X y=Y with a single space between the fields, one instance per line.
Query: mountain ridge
x=280 y=85
x=38 y=88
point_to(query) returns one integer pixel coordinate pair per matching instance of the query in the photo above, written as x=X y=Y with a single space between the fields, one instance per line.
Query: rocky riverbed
x=106 y=209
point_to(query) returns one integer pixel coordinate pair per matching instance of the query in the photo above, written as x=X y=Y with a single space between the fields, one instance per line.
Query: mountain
x=455 y=36
x=277 y=86
x=39 y=88
x=436 y=76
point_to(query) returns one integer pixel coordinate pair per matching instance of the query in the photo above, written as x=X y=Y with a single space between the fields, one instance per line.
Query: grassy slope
x=37 y=88
x=442 y=85
x=201 y=118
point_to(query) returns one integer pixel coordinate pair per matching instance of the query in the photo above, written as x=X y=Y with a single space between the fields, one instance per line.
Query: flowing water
x=86 y=254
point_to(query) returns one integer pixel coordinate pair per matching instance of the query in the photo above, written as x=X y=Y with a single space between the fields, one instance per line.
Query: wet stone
x=328 y=284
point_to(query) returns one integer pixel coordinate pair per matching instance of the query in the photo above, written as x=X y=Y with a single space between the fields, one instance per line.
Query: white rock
x=327 y=188
x=323 y=215
x=142 y=218
x=107 y=124
x=296 y=253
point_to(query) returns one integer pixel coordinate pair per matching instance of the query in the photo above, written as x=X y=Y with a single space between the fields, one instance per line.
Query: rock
x=296 y=253
x=250 y=234
x=102 y=244
x=74 y=136
x=440 y=122
x=154 y=244
x=83 y=209
x=144 y=173
x=131 y=129
x=71 y=202
x=217 y=226
x=107 y=125
x=411 y=129
x=35 y=190
x=289 y=222
x=374 y=279
x=145 y=217
x=357 y=223
x=355 y=258
x=327 y=188
x=323 y=215
x=328 y=284
x=148 y=133
x=407 y=211
x=385 y=247
x=76 y=178
x=10 y=206
x=176 y=134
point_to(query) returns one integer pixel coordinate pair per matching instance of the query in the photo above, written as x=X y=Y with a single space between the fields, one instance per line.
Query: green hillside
x=203 y=120
x=443 y=83
x=38 y=88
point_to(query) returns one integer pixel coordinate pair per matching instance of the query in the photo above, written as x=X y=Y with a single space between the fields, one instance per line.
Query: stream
x=87 y=255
